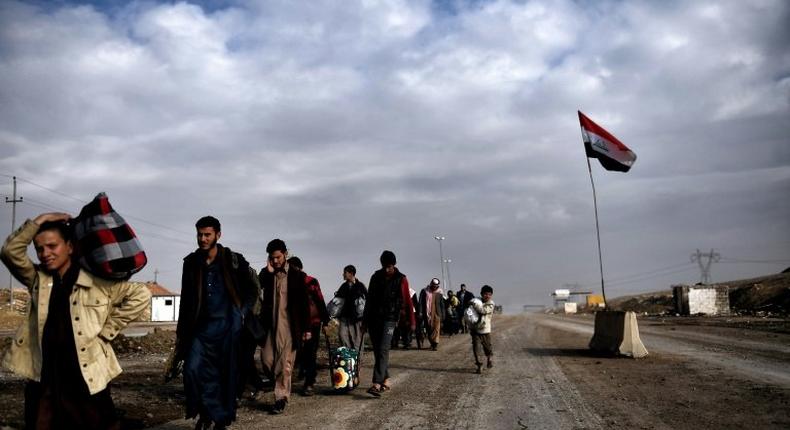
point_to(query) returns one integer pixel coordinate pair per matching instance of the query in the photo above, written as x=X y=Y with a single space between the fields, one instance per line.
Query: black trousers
x=308 y=355
x=381 y=338
x=50 y=406
x=248 y=369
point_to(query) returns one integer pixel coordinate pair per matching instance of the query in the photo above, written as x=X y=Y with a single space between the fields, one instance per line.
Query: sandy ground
x=700 y=373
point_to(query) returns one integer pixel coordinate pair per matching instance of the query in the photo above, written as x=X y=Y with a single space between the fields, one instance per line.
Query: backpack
x=471 y=317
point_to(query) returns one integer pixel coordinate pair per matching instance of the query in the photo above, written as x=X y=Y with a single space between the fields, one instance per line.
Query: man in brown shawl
x=284 y=317
x=432 y=311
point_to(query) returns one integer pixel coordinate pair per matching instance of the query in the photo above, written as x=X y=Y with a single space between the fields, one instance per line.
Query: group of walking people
x=436 y=313
x=228 y=312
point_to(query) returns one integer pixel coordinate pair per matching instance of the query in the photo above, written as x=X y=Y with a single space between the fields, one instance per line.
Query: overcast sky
x=350 y=127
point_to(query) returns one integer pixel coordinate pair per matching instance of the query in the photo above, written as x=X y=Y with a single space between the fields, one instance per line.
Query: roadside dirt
x=544 y=377
x=701 y=376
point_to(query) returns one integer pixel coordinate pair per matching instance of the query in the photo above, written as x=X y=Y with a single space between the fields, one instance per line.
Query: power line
x=638 y=275
x=144 y=233
x=658 y=275
x=83 y=202
x=650 y=274
x=44 y=205
x=737 y=260
x=53 y=191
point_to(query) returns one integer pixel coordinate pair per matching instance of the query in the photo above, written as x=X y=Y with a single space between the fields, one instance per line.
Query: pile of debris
x=764 y=296
x=157 y=342
x=659 y=303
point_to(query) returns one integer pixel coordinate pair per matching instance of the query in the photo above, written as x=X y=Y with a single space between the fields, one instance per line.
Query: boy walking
x=481 y=332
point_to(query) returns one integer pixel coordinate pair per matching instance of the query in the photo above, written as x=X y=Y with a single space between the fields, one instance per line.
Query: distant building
x=164 y=304
x=595 y=301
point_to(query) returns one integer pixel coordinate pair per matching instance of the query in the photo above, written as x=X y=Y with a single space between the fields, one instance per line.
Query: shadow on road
x=433 y=369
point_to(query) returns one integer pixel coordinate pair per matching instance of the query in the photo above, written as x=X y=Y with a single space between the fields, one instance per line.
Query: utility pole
x=441 y=254
x=704 y=266
x=449 y=282
x=13 y=202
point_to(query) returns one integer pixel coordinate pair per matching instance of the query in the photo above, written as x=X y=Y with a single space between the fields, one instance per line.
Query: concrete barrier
x=616 y=332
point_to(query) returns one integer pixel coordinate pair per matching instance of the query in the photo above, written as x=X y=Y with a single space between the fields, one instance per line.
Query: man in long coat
x=217 y=294
x=432 y=309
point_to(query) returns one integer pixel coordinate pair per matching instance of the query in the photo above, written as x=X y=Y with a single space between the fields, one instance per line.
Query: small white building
x=164 y=303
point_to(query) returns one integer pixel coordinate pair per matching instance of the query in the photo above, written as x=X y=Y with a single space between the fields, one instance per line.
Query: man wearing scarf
x=217 y=294
x=432 y=311
x=70 y=366
x=285 y=317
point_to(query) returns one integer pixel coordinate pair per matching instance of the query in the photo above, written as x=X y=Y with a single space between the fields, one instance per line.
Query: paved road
x=544 y=378
x=440 y=390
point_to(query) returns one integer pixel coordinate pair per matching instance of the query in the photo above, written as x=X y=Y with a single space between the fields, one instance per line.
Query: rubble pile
x=156 y=342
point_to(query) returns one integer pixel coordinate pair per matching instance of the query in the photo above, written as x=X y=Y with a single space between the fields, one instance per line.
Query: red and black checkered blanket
x=107 y=245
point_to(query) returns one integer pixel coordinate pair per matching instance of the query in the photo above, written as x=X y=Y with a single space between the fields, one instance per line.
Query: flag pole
x=597 y=231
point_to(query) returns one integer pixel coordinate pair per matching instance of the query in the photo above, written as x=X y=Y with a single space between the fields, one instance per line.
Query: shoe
x=490 y=364
x=279 y=406
x=374 y=391
x=433 y=347
x=308 y=391
x=203 y=424
x=479 y=368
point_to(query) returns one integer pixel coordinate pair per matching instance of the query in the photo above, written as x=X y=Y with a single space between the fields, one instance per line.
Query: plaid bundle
x=107 y=245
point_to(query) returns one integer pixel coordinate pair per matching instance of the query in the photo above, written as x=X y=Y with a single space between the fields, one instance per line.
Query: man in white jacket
x=481 y=332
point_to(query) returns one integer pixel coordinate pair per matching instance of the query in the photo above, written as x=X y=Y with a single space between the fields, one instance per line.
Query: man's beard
x=211 y=246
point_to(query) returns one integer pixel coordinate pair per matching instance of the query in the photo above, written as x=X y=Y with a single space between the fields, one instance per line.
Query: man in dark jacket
x=285 y=318
x=351 y=291
x=217 y=293
x=388 y=301
x=465 y=298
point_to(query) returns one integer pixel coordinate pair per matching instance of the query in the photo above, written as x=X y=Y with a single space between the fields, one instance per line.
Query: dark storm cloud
x=348 y=130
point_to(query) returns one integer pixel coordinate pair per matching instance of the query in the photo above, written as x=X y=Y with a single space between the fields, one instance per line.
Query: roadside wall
x=701 y=299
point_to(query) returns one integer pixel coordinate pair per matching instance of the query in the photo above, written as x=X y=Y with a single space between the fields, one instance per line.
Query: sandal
x=374 y=391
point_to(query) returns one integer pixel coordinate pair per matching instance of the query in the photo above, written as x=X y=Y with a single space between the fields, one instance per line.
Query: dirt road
x=545 y=378
x=701 y=373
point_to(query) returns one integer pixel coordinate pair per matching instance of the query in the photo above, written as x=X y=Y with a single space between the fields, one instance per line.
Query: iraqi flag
x=600 y=144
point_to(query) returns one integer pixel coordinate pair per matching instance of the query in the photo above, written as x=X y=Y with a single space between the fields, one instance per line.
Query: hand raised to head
x=52 y=216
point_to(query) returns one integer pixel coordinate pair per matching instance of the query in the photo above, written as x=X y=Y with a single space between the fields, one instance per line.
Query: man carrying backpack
x=465 y=298
x=351 y=292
